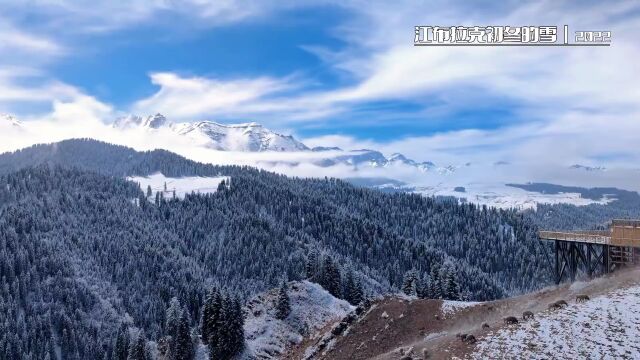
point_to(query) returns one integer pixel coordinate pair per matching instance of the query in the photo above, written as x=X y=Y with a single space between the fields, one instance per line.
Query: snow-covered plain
x=312 y=308
x=503 y=196
x=181 y=186
x=606 y=327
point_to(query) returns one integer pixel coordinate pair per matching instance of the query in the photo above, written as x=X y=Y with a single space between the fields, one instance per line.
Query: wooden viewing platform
x=595 y=250
x=622 y=233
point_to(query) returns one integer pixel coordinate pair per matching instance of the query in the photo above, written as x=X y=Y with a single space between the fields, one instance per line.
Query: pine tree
x=210 y=314
x=178 y=332
x=311 y=265
x=434 y=285
x=237 y=328
x=183 y=344
x=121 y=348
x=221 y=186
x=409 y=283
x=138 y=350
x=173 y=315
x=357 y=295
x=451 y=291
x=283 y=306
x=149 y=192
x=220 y=342
x=352 y=290
x=226 y=337
x=331 y=277
x=348 y=285
x=422 y=287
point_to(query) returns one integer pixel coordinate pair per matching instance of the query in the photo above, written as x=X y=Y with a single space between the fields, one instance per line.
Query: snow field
x=606 y=327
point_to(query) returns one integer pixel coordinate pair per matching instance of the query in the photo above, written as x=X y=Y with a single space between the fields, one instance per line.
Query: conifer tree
x=210 y=314
x=183 y=344
x=422 y=287
x=283 y=306
x=409 y=283
x=237 y=328
x=138 y=350
x=331 y=277
x=311 y=265
x=121 y=348
x=221 y=186
x=434 y=285
x=173 y=315
x=451 y=287
x=352 y=290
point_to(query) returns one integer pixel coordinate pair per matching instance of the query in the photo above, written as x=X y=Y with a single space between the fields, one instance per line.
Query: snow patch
x=181 y=186
x=312 y=308
x=451 y=306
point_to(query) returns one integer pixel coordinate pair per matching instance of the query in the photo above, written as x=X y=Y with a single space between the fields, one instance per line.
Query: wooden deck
x=624 y=233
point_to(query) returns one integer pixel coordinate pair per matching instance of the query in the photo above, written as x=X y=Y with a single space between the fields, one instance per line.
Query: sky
x=334 y=73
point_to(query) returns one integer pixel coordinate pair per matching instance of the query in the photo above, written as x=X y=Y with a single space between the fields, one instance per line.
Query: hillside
x=85 y=251
x=312 y=310
x=607 y=323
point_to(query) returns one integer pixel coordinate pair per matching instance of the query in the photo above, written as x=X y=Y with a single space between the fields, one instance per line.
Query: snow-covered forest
x=83 y=252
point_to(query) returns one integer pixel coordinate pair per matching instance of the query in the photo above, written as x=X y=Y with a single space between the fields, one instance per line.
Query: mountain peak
x=10 y=119
x=127 y=121
x=587 y=168
x=155 y=121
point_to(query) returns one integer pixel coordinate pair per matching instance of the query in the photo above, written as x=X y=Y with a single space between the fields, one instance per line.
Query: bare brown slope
x=395 y=328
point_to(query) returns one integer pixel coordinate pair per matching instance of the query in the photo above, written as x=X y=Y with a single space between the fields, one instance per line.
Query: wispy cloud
x=86 y=16
x=197 y=97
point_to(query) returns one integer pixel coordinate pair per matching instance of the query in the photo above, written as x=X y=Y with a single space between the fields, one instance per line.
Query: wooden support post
x=573 y=261
x=589 y=273
x=557 y=248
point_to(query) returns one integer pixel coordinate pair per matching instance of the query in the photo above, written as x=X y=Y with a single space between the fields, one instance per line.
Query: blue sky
x=115 y=65
x=333 y=73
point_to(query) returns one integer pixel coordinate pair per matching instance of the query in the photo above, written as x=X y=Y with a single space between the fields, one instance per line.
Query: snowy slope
x=606 y=327
x=312 y=308
x=181 y=186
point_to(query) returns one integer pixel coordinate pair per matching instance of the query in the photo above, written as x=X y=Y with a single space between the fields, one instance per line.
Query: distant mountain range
x=400 y=173
x=253 y=137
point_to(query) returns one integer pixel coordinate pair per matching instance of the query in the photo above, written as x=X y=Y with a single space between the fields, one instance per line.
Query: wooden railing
x=604 y=237
x=594 y=237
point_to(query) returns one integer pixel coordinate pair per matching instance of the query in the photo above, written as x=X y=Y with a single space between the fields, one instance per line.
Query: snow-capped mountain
x=372 y=158
x=10 y=119
x=239 y=137
x=401 y=159
x=251 y=137
x=133 y=121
